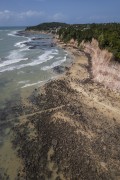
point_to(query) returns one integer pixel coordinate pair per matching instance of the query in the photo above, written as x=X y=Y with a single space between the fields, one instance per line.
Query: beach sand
x=70 y=127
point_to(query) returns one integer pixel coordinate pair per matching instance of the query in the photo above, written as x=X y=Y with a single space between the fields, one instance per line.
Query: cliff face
x=73 y=43
x=104 y=69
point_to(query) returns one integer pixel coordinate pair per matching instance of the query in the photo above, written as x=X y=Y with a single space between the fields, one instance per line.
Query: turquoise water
x=26 y=60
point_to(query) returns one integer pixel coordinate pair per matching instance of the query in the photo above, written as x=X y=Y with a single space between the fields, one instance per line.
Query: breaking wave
x=33 y=84
x=54 y=64
x=14 y=59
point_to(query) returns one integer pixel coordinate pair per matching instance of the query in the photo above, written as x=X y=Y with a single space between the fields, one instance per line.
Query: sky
x=33 y=12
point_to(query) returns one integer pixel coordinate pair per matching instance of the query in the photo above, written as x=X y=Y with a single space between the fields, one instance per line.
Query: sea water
x=26 y=60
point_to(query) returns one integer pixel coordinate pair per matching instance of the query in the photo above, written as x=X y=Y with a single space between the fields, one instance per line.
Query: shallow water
x=26 y=61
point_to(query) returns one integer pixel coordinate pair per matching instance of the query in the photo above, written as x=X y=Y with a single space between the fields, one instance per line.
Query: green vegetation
x=47 y=26
x=108 y=35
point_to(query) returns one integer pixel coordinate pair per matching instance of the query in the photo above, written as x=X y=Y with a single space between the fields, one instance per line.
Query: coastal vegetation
x=108 y=35
x=100 y=41
x=47 y=27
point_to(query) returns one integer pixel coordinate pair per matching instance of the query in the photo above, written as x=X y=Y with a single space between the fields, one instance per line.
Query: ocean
x=26 y=61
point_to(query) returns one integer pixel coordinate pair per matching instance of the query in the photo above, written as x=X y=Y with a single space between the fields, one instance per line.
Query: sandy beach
x=70 y=127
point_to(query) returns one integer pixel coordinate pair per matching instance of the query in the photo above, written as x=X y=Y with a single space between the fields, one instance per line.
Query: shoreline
x=71 y=125
x=68 y=128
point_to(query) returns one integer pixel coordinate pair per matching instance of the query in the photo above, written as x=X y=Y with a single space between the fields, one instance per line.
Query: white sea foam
x=23 y=82
x=14 y=57
x=12 y=33
x=45 y=57
x=24 y=49
x=55 y=52
x=33 y=84
x=22 y=44
x=54 y=64
x=7 y=69
x=42 y=58
x=9 y=62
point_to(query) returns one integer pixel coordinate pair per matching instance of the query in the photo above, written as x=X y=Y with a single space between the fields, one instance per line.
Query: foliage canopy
x=108 y=35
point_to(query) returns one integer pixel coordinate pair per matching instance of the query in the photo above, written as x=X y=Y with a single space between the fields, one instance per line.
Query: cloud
x=28 y=17
x=7 y=17
x=58 y=17
x=6 y=14
x=30 y=13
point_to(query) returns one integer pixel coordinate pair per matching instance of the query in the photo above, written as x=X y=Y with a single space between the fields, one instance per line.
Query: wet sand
x=69 y=128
